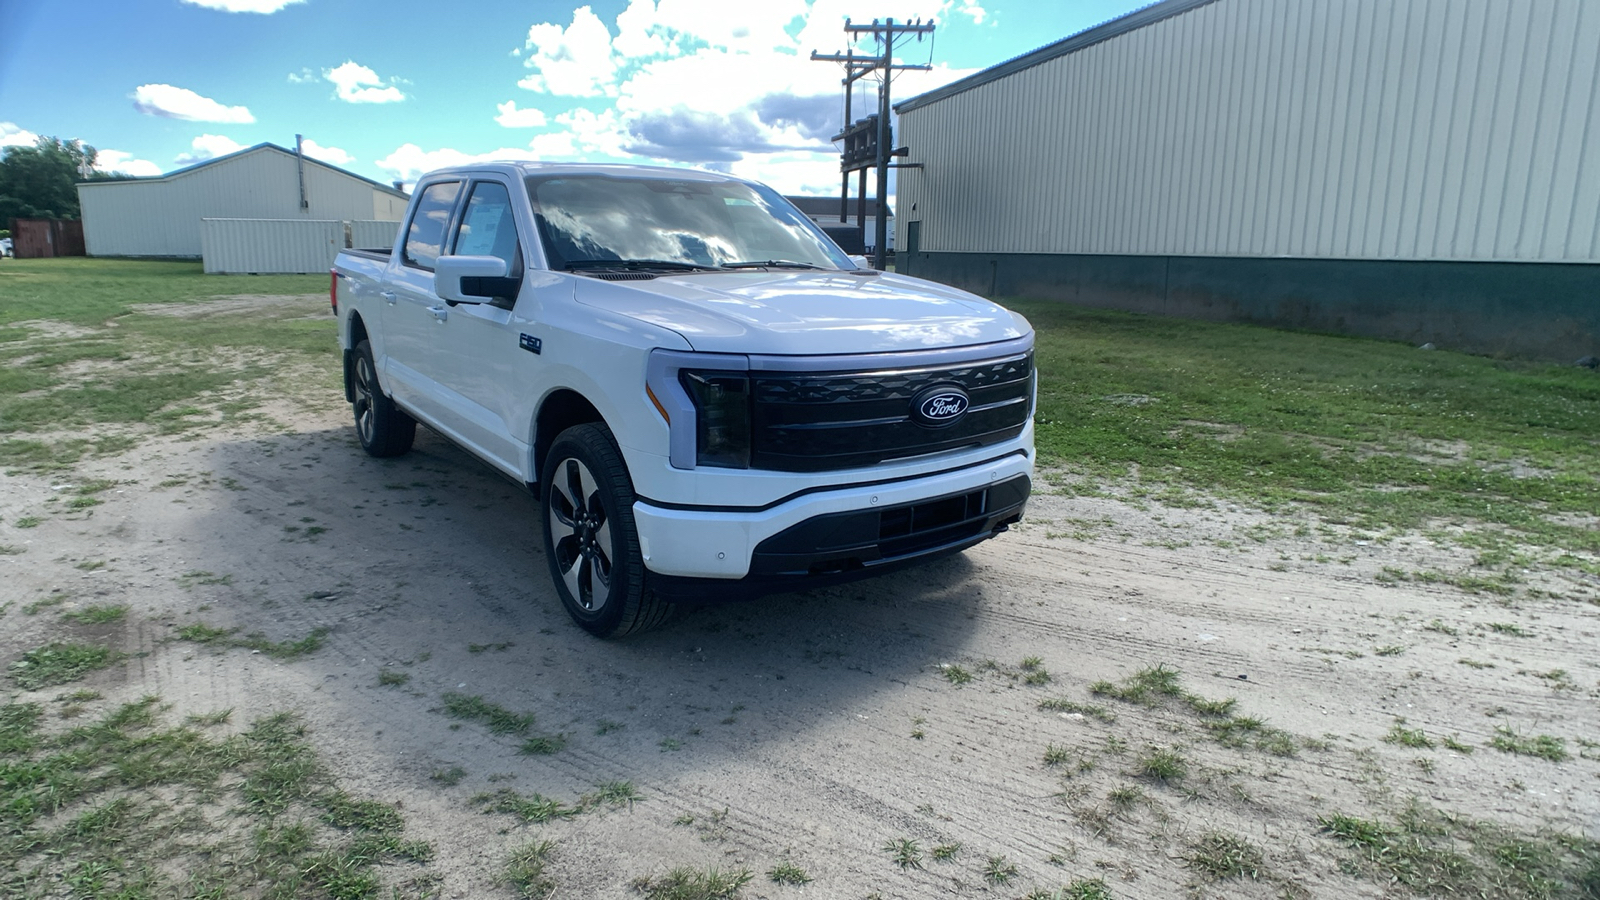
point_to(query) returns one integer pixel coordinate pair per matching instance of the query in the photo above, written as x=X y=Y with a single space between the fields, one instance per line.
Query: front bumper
x=829 y=536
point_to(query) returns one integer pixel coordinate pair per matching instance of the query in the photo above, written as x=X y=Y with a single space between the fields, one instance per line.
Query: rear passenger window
x=426 y=234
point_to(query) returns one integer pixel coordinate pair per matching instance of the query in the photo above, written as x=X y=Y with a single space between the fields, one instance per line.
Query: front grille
x=864 y=539
x=809 y=422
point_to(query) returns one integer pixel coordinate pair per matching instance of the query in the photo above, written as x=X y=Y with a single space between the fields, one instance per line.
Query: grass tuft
x=693 y=884
x=1222 y=856
x=60 y=663
x=1161 y=765
x=1544 y=746
x=97 y=614
x=525 y=870
x=788 y=873
x=905 y=852
x=997 y=870
x=474 y=708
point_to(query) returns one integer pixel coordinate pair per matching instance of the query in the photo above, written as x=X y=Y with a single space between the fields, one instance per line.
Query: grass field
x=95 y=356
x=1377 y=435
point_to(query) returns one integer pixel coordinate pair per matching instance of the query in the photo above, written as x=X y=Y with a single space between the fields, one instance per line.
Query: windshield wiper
x=637 y=264
x=769 y=264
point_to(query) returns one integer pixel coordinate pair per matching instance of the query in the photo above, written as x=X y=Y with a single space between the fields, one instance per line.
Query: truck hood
x=806 y=312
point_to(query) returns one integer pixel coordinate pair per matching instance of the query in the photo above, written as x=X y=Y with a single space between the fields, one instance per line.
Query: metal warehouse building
x=306 y=199
x=1426 y=170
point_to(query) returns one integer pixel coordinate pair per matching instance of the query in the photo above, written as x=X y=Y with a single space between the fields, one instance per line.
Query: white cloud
x=600 y=133
x=511 y=117
x=12 y=136
x=304 y=76
x=722 y=83
x=355 y=83
x=556 y=145
x=265 y=7
x=208 y=146
x=181 y=103
x=109 y=161
x=575 y=61
x=332 y=155
x=797 y=174
x=409 y=161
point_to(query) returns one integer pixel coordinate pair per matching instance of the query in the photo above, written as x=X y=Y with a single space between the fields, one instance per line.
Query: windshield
x=589 y=221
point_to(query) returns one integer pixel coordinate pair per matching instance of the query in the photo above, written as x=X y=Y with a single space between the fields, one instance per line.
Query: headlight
x=722 y=417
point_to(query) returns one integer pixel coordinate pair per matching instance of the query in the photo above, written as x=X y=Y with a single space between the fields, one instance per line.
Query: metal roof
x=1105 y=31
x=266 y=145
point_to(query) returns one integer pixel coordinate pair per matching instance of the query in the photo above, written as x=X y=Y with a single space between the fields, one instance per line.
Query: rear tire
x=383 y=428
x=586 y=501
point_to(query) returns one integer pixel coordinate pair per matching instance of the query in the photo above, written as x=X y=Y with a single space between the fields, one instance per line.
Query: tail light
x=333 y=290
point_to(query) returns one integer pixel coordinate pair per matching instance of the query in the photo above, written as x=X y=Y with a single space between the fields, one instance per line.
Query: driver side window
x=489 y=228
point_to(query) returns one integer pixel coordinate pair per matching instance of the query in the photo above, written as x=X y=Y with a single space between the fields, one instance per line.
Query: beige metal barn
x=162 y=216
x=1425 y=170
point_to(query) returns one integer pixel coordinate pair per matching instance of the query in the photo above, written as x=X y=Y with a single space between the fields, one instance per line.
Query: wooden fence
x=44 y=238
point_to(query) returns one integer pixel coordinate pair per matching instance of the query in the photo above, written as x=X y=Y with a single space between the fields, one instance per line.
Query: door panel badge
x=531 y=344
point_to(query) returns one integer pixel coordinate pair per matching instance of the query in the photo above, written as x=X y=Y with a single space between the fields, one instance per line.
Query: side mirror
x=861 y=262
x=470 y=279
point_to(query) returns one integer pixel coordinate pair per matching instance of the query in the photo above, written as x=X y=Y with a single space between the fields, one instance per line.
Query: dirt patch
x=228 y=304
x=981 y=703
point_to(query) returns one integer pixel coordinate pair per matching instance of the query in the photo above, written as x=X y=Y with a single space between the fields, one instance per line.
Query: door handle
x=439 y=312
x=389 y=297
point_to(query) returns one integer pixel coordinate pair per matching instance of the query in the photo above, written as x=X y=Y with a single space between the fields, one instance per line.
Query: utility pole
x=870 y=142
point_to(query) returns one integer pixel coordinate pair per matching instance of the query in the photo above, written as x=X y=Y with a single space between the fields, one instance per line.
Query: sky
x=392 y=89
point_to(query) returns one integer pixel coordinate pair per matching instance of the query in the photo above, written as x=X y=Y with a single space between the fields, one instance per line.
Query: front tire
x=383 y=428
x=586 y=501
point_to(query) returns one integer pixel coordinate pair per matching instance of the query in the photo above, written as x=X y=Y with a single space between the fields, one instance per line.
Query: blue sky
x=391 y=89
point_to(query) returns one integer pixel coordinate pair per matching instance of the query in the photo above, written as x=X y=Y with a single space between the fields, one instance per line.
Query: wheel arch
x=355 y=333
x=560 y=410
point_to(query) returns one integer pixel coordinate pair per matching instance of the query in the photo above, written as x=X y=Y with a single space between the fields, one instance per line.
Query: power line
x=869 y=142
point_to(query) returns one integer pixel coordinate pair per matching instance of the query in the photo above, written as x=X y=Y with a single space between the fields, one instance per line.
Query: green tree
x=41 y=181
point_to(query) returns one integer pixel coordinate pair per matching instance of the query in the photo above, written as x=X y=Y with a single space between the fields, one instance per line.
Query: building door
x=913 y=244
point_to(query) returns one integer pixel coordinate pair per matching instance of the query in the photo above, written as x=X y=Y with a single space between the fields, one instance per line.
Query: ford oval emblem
x=940 y=405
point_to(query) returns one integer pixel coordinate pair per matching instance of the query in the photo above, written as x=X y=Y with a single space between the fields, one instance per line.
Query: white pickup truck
x=709 y=398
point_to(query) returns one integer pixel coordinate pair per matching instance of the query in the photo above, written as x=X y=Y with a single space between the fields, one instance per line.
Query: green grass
x=122 y=373
x=997 y=870
x=693 y=884
x=1222 y=855
x=788 y=873
x=127 y=806
x=525 y=870
x=474 y=708
x=229 y=638
x=905 y=852
x=1544 y=746
x=1161 y=765
x=1082 y=889
x=955 y=674
x=1368 y=433
x=1429 y=852
x=59 y=663
x=1146 y=687
x=97 y=614
x=1091 y=710
x=1408 y=737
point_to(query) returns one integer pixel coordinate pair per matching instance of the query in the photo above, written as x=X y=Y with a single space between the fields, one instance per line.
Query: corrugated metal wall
x=372 y=235
x=162 y=217
x=263 y=246
x=1341 y=129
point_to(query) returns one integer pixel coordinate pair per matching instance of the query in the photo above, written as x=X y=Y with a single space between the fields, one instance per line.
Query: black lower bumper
x=840 y=547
